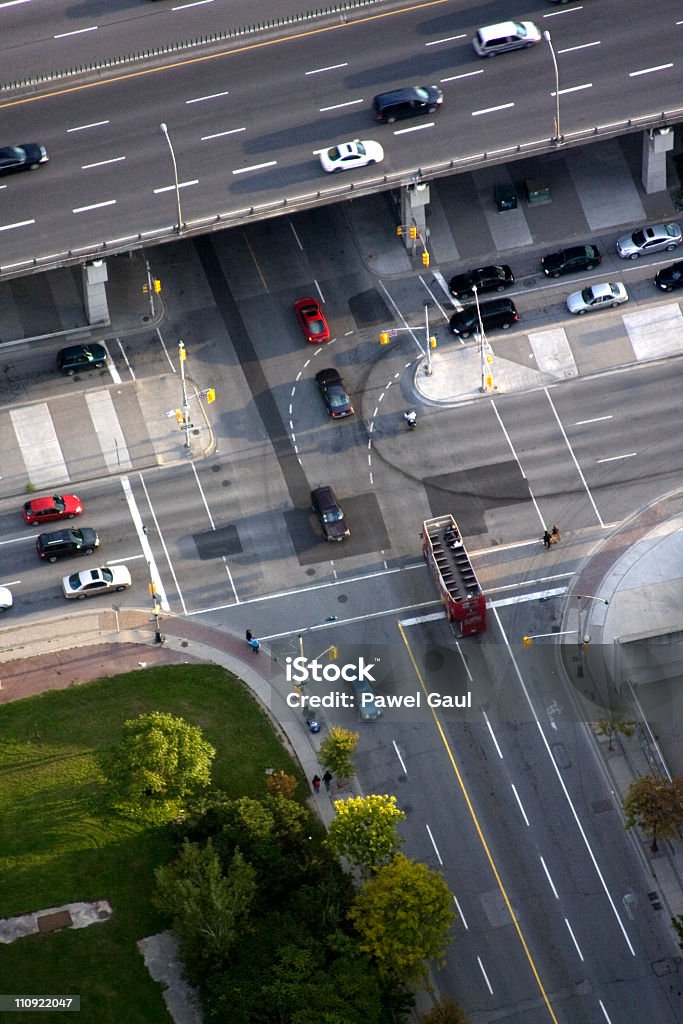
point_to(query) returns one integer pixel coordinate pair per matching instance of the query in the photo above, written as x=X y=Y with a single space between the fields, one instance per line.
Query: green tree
x=160 y=763
x=365 y=830
x=656 y=807
x=337 y=750
x=402 y=916
x=446 y=1011
x=612 y=725
x=207 y=905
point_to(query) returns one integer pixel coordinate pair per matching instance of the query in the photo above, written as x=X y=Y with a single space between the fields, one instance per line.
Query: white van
x=507 y=35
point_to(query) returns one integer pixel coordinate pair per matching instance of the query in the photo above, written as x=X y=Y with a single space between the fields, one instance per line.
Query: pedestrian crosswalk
x=51 y=444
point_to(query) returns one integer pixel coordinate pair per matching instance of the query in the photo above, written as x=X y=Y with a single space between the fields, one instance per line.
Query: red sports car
x=312 y=319
x=58 y=506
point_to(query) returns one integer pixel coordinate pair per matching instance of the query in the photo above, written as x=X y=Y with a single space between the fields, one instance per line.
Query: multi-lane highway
x=247 y=124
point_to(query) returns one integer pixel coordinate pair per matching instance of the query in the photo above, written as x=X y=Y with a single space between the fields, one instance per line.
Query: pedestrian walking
x=316 y=783
x=249 y=635
x=255 y=645
x=546 y=539
x=555 y=534
x=327 y=779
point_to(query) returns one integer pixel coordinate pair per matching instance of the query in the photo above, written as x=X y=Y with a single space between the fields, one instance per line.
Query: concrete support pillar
x=94 y=277
x=414 y=202
x=657 y=142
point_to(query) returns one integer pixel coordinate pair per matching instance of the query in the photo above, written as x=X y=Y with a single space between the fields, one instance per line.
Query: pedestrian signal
x=384 y=338
x=413 y=231
x=425 y=259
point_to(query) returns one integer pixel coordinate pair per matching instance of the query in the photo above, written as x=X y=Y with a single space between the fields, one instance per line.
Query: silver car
x=653 y=238
x=597 y=296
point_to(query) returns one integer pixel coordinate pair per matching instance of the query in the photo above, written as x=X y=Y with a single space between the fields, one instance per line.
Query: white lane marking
x=171 y=188
x=436 y=849
x=574 y=88
x=213 y=527
x=76 y=32
x=440 y=278
x=13 y=3
x=548 y=876
x=108 y=430
x=519 y=804
x=84 y=127
x=331 y=67
x=582 y=46
x=565 y=10
x=17 y=224
x=210 y=96
x=111 y=365
x=415 y=128
x=39 y=444
x=163 y=345
x=649 y=71
x=255 y=167
x=163 y=543
x=617 y=458
x=195 y=3
x=298 y=240
x=398 y=755
x=419 y=619
x=144 y=543
x=486 y=977
x=528 y=583
x=467 y=74
x=460 y=913
x=492 y=734
x=518 y=461
x=322 y=297
x=576 y=945
x=220 y=135
x=340 y=106
x=103 y=163
x=604 y=1011
x=124 y=355
x=446 y=39
x=574 y=459
x=563 y=785
x=19 y=540
x=541 y=595
x=118 y=561
x=94 y=206
x=492 y=110
x=596 y=419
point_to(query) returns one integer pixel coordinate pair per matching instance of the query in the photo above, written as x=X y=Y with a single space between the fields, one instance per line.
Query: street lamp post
x=164 y=131
x=428 y=342
x=485 y=376
x=182 y=353
x=584 y=639
x=557 y=139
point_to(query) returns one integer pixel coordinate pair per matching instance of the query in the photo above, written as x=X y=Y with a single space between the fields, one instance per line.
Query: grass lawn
x=59 y=843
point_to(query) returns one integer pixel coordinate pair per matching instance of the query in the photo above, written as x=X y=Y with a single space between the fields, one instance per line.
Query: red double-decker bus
x=446 y=556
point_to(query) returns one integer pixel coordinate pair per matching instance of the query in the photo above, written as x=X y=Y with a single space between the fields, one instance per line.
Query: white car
x=653 y=238
x=597 y=296
x=347 y=155
x=96 y=581
x=6 y=599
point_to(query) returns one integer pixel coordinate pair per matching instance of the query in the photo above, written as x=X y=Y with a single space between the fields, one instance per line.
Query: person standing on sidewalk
x=327 y=779
x=546 y=539
x=316 y=783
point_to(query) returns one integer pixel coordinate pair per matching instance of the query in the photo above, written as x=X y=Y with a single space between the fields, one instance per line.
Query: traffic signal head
x=157 y=285
x=384 y=338
x=413 y=231
x=399 y=230
x=425 y=258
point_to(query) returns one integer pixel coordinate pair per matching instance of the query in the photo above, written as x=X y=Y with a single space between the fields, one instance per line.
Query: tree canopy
x=337 y=750
x=365 y=830
x=403 y=915
x=655 y=806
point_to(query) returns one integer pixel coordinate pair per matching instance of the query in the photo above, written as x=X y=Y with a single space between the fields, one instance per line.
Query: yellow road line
x=214 y=56
x=482 y=839
x=256 y=263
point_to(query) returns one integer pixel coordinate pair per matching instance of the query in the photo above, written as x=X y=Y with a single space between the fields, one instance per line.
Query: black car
x=22 y=158
x=81 y=357
x=334 y=393
x=330 y=514
x=567 y=261
x=63 y=543
x=670 y=278
x=485 y=279
x=497 y=313
x=409 y=102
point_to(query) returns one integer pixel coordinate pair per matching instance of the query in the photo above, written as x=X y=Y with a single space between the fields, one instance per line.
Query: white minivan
x=507 y=35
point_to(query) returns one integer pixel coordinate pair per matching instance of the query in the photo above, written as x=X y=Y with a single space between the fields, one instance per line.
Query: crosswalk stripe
x=39 y=445
x=108 y=430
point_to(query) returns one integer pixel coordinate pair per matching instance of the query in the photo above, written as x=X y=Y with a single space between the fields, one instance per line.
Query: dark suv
x=63 y=543
x=330 y=514
x=410 y=102
x=567 y=261
x=496 y=313
x=81 y=357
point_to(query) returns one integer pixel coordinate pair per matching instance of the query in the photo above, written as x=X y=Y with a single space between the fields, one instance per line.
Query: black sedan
x=22 y=158
x=484 y=279
x=670 y=278
x=334 y=393
x=568 y=261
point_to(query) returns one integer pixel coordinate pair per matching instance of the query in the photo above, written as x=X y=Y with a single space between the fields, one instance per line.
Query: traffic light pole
x=182 y=352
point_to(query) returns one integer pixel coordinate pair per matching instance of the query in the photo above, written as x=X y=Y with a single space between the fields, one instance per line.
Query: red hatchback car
x=312 y=319
x=58 y=506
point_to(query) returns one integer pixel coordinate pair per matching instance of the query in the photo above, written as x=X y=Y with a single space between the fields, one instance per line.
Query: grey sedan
x=653 y=238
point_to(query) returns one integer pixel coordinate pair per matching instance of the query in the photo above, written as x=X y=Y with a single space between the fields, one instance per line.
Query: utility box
x=537 y=191
x=505 y=197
